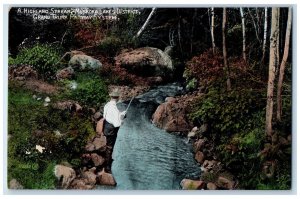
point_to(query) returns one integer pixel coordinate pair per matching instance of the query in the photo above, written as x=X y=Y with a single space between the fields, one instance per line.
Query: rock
x=156 y=80
x=67 y=105
x=81 y=184
x=99 y=127
x=97 y=159
x=14 y=184
x=90 y=147
x=66 y=73
x=99 y=143
x=97 y=116
x=84 y=62
x=66 y=173
x=225 y=183
x=90 y=177
x=194 y=129
x=47 y=99
x=146 y=61
x=21 y=72
x=171 y=117
x=211 y=166
x=170 y=99
x=191 y=134
x=106 y=178
x=199 y=157
x=198 y=145
x=211 y=186
x=188 y=184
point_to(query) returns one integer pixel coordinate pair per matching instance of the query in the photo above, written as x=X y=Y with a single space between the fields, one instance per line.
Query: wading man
x=113 y=119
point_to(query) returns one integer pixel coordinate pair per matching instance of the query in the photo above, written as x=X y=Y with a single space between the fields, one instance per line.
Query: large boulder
x=171 y=116
x=146 y=61
x=84 y=62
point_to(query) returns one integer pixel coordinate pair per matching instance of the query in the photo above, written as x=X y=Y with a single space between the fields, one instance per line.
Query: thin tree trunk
x=192 y=31
x=283 y=64
x=212 y=30
x=145 y=24
x=265 y=35
x=225 y=50
x=272 y=68
x=278 y=43
x=254 y=24
x=244 y=34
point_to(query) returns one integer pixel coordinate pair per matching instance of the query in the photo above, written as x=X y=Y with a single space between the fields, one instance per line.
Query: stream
x=146 y=157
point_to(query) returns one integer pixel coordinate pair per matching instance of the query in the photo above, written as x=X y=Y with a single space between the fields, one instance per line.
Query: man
x=113 y=119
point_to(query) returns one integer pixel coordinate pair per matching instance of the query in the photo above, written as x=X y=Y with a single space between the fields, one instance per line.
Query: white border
x=187 y=3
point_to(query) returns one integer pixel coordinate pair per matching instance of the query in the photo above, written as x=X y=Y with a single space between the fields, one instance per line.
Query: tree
x=146 y=23
x=265 y=35
x=225 y=50
x=212 y=27
x=255 y=26
x=272 y=68
x=244 y=34
x=283 y=64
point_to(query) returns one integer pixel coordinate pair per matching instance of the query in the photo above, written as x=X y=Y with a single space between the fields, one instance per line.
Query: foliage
x=91 y=91
x=43 y=58
x=226 y=112
x=205 y=67
x=31 y=124
x=110 y=46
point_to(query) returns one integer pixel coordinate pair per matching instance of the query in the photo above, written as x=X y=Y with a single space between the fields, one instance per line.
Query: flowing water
x=146 y=157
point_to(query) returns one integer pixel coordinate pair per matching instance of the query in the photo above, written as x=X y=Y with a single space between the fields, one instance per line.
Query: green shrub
x=227 y=112
x=91 y=90
x=43 y=58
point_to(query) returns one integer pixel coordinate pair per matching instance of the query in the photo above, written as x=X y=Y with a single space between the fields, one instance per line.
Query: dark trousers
x=110 y=133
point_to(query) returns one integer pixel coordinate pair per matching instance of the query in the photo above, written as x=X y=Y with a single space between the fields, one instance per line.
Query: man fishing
x=113 y=118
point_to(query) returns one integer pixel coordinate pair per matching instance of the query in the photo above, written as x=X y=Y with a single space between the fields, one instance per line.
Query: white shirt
x=112 y=114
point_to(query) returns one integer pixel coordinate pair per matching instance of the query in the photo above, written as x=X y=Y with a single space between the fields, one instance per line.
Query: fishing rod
x=129 y=104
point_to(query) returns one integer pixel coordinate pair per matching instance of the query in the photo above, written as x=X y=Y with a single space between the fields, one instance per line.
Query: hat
x=115 y=93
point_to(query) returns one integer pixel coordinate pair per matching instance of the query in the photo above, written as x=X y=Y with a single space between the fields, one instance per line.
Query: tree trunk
x=145 y=24
x=244 y=34
x=254 y=24
x=272 y=68
x=265 y=35
x=278 y=44
x=212 y=30
x=283 y=64
x=225 y=50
